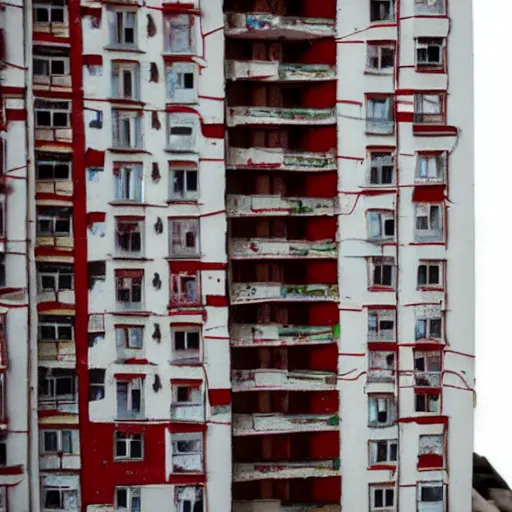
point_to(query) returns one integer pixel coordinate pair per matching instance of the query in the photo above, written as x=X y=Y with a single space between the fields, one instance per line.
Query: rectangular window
x=431 y=167
x=429 y=328
x=60 y=498
x=54 y=278
x=379 y=115
x=185 y=289
x=429 y=362
x=50 y=62
x=57 y=384
x=129 y=286
x=123 y=28
x=430 y=274
x=428 y=225
x=128 y=446
x=130 y=336
x=381 y=366
x=427 y=402
x=182 y=132
x=381 y=325
x=186 y=343
x=429 y=108
x=129 y=396
x=55 y=328
x=431 y=493
x=128 y=183
x=54 y=221
x=125 y=80
x=180 y=34
x=382 y=169
x=382 y=498
x=184 y=184
x=56 y=441
x=50 y=12
x=127 y=129
x=96 y=384
x=431 y=445
x=52 y=114
x=429 y=53
x=53 y=166
x=382 y=272
x=128 y=499
x=181 y=83
x=129 y=235
x=380 y=57
x=382 y=10
x=381 y=411
x=381 y=226
x=189 y=498
x=187 y=453
x=184 y=237
x=430 y=7
x=382 y=452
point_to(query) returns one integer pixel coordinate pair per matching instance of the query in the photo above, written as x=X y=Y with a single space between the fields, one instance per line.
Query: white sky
x=493 y=188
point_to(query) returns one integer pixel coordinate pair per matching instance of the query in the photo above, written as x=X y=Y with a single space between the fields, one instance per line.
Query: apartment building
x=237 y=256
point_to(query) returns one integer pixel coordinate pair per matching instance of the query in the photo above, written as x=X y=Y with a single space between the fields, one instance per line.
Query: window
x=127 y=129
x=427 y=368
x=189 y=498
x=55 y=328
x=429 y=53
x=182 y=132
x=184 y=289
x=128 y=446
x=129 y=235
x=94 y=118
x=50 y=62
x=427 y=402
x=180 y=34
x=381 y=225
x=52 y=114
x=430 y=7
x=382 y=169
x=429 y=328
x=128 y=499
x=381 y=366
x=3 y=452
x=184 y=237
x=60 y=498
x=186 y=343
x=181 y=83
x=430 y=274
x=187 y=453
x=382 y=272
x=54 y=221
x=56 y=441
x=184 y=184
x=125 y=80
x=187 y=394
x=431 y=493
x=381 y=325
x=382 y=498
x=53 y=278
x=379 y=115
x=431 y=167
x=429 y=108
x=380 y=57
x=129 y=336
x=130 y=398
x=428 y=223
x=50 y=12
x=382 y=10
x=128 y=183
x=57 y=384
x=381 y=411
x=53 y=166
x=129 y=286
x=431 y=444
x=382 y=452
x=123 y=28
x=96 y=384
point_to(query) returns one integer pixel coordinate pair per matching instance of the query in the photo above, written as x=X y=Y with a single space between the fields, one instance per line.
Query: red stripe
x=15 y=115
x=217 y=301
x=404 y=117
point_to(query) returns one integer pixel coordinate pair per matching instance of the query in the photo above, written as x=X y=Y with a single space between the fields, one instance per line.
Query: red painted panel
x=322 y=272
x=430 y=461
x=323 y=403
x=319 y=96
x=216 y=301
x=326 y=490
x=94 y=158
x=219 y=397
x=321 y=228
x=319 y=9
x=324 y=358
x=324 y=445
x=323 y=314
x=322 y=51
x=323 y=184
x=320 y=138
x=429 y=194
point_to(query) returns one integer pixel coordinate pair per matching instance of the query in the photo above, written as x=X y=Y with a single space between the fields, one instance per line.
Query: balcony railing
x=279 y=115
x=256 y=248
x=277 y=506
x=245 y=424
x=56 y=351
x=381 y=375
x=244 y=472
x=427 y=379
x=63 y=403
x=61 y=296
x=187 y=412
x=268 y=378
x=280 y=158
x=276 y=71
x=271 y=26
x=264 y=205
x=187 y=463
x=246 y=293
x=273 y=334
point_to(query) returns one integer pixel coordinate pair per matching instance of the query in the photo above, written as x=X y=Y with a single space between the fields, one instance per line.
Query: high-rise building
x=237 y=256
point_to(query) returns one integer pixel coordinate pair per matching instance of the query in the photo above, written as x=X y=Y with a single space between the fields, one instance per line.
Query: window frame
x=378 y=161
x=193 y=36
x=427 y=285
x=130 y=235
x=424 y=43
x=125 y=334
x=51 y=384
x=131 y=494
x=131 y=287
x=422 y=117
x=128 y=440
x=379 y=314
x=376 y=263
x=437 y=484
x=187 y=195
x=185 y=229
x=176 y=90
x=56 y=325
x=132 y=386
x=53 y=217
x=56 y=275
x=186 y=352
x=50 y=7
x=127 y=129
x=373 y=447
x=129 y=182
x=60 y=441
x=187 y=121
x=62 y=490
x=431 y=405
x=118 y=80
x=428 y=328
x=380 y=218
x=430 y=233
x=39 y=107
x=429 y=11
x=119 y=22
x=49 y=59
x=382 y=488
x=53 y=164
x=178 y=284
x=423 y=160
x=390 y=404
x=377 y=50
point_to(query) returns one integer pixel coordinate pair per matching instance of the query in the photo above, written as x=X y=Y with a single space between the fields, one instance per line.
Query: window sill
x=430 y=289
x=127 y=202
x=115 y=149
x=123 y=48
x=381 y=289
x=434 y=129
x=383 y=466
x=184 y=257
x=435 y=70
x=378 y=23
x=192 y=202
x=131 y=258
x=382 y=241
x=127 y=101
x=194 y=151
x=379 y=72
x=128 y=460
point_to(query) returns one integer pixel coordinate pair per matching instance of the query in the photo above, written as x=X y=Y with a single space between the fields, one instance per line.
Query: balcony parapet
x=251 y=115
x=269 y=379
x=427 y=379
x=257 y=248
x=277 y=506
x=247 y=293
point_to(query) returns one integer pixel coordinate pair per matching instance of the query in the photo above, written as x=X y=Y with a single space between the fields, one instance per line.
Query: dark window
x=188 y=80
x=182 y=394
x=431 y=493
x=179 y=340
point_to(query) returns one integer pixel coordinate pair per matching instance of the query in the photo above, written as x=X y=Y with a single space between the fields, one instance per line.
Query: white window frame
x=383 y=372
x=133 y=494
x=428 y=264
x=53 y=219
x=127 y=129
x=178 y=283
x=65 y=494
x=52 y=386
x=195 y=438
x=437 y=484
x=56 y=326
x=119 y=79
x=185 y=143
x=382 y=262
x=174 y=46
x=374 y=51
x=53 y=164
x=188 y=194
x=56 y=275
x=422 y=46
x=180 y=501
x=49 y=59
x=378 y=161
x=378 y=105
x=128 y=440
x=128 y=284
x=429 y=108
x=376 y=225
x=427 y=322
x=428 y=7
x=391 y=5
x=179 y=231
x=194 y=394
x=50 y=7
x=382 y=403
x=374 y=451
x=119 y=22
x=53 y=107
x=431 y=168
x=186 y=351
x=381 y=315
x=59 y=437
x=131 y=386
x=429 y=361
x=177 y=92
x=139 y=231
x=129 y=183
x=431 y=232
x=130 y=337
x=432 y=406
x=382 y=489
